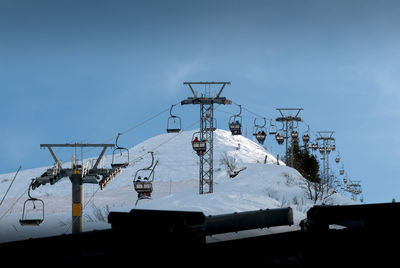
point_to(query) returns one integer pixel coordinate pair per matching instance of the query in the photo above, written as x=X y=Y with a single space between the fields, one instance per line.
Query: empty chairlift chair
x=174 y=123
x=120 y=164
x=272 y=128
x=33 y=210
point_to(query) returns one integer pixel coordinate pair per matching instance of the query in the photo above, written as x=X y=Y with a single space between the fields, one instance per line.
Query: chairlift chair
x=32 y=221
x=199 y=146
x=235 y=123
x=306 y=138
x=214 y=127
x=144 y=187
x=279 y=138
x=306 y=135
x=123 y=164
x=260 y=136
x=295 y=134
x=260 y=131
x=314 y=146
x=174 y=123
x=272 y=128
x=337 y=158
x=341 y=172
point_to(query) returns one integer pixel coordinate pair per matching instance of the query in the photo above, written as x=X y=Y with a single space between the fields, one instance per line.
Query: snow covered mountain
x=263 y=184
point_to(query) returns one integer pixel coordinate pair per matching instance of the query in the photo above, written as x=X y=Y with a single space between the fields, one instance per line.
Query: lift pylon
x=206 y=102
x=79 y=173
x=327 y=139
x=287 y=118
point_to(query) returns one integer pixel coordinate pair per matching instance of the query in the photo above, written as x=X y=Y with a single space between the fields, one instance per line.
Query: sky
x=82 y=71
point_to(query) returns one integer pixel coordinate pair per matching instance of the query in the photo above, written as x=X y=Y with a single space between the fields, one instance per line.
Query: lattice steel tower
x=327 y=139
x=288 y=129
x=206 y=101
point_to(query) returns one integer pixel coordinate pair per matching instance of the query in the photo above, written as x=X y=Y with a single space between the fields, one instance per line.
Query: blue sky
x=81 y=71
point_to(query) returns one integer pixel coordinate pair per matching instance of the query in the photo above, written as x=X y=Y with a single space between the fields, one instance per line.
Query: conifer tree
x=305 y=163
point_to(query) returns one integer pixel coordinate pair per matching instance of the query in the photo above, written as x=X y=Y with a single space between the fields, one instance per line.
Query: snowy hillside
x=259 y=186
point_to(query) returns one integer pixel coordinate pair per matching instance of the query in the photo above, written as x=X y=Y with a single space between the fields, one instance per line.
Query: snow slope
x=259 y=186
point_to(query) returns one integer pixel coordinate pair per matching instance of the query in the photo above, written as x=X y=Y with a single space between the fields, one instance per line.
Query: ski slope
x=176 y=185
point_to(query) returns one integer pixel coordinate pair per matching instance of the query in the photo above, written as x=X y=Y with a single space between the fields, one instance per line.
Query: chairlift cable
x=9 y=187
x=134 y=160
x=167 y=141
x=13 y=204
x=253 y=113
x=136 y=126
x=147 y=120
x=163 y=143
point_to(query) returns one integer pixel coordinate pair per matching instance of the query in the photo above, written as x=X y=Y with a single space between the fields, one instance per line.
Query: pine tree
x=305 y=163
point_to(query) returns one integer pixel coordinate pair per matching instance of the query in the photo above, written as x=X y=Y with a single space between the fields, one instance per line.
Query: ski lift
x=344 y=180
x=259 y=131
x=272 y=128
x=144 y=187
x=235 y=123
x=306 y=135
x=174 y=123
x=213 y=128
x=333 y=147
x=337 y=158
x=341 y=171
x=199 y=146
x=306 y=138
x=39 y=214
x=279 y=138
x=123 y=164
x=295 y=134
x=314 y=146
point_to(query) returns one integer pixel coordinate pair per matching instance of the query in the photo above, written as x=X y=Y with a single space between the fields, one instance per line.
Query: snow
x=259 y=186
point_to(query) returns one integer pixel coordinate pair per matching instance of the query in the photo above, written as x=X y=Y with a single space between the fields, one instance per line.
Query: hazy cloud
x=181 y=72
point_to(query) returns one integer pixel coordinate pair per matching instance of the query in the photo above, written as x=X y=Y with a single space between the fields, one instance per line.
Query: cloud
x=181 y=72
